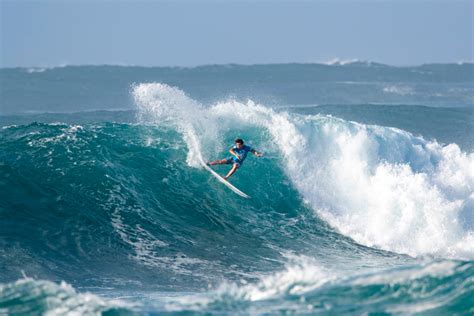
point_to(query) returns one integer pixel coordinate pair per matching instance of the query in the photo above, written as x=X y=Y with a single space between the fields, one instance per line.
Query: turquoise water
x=360 y=205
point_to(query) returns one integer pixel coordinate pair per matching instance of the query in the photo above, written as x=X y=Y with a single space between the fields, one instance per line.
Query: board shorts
x=232 y=160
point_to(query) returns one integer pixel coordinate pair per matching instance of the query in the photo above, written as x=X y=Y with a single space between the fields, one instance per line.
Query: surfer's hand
x=259 y=155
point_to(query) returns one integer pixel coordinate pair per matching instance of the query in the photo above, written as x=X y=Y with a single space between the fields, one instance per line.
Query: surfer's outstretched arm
x=256 y=153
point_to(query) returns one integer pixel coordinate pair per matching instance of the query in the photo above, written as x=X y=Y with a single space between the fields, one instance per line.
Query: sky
x=189 y=33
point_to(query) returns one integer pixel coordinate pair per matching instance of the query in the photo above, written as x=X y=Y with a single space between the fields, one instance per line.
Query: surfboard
x=224 y=181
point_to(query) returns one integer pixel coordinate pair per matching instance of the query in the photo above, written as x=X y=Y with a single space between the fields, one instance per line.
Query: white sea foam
x=381 y=186
x=399 y=89
x=301 y=275
x=32 y=70
x=35 y=69
x=465 y=62
x=342 y=62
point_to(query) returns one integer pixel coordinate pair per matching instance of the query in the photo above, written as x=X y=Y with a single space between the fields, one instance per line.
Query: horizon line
x=333 y=62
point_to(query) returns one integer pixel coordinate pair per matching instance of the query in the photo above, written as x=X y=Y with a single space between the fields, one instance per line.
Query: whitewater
x=360 y=205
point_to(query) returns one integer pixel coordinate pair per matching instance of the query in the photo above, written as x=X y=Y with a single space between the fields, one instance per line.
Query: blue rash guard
x=242 y=153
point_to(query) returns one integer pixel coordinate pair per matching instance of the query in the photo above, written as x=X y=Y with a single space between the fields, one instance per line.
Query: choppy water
x=363 y=202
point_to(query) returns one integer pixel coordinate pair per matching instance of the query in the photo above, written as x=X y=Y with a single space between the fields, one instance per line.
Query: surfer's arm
x=256 y=153
x=233 y=153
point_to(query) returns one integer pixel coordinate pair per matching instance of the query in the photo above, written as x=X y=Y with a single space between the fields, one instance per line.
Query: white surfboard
x=227 y=183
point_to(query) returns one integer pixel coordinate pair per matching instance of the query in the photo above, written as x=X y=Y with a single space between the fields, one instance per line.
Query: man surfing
x=239 y=153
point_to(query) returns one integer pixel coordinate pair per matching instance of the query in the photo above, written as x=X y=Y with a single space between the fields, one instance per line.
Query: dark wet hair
x=239 y=140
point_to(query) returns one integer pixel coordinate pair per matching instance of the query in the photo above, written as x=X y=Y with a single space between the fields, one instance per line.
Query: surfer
x=239 y=153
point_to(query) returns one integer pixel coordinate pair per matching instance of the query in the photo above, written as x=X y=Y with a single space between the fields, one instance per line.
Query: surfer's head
x=239 y=142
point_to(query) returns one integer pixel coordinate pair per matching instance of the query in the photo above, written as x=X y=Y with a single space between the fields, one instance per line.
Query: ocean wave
x=305 y=287
x=382 y=187
x=345 y=217
x=38 y=297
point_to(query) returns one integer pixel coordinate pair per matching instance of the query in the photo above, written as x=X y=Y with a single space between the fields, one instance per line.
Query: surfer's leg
x=235 y=166
x=218 y=162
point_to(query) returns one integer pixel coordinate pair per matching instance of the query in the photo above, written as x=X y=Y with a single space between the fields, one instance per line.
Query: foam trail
x=381 y=186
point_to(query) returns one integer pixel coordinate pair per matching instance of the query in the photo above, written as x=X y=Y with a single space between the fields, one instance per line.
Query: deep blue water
x=363 y=202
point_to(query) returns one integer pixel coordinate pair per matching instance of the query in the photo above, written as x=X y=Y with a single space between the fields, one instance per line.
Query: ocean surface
x=362 y=204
